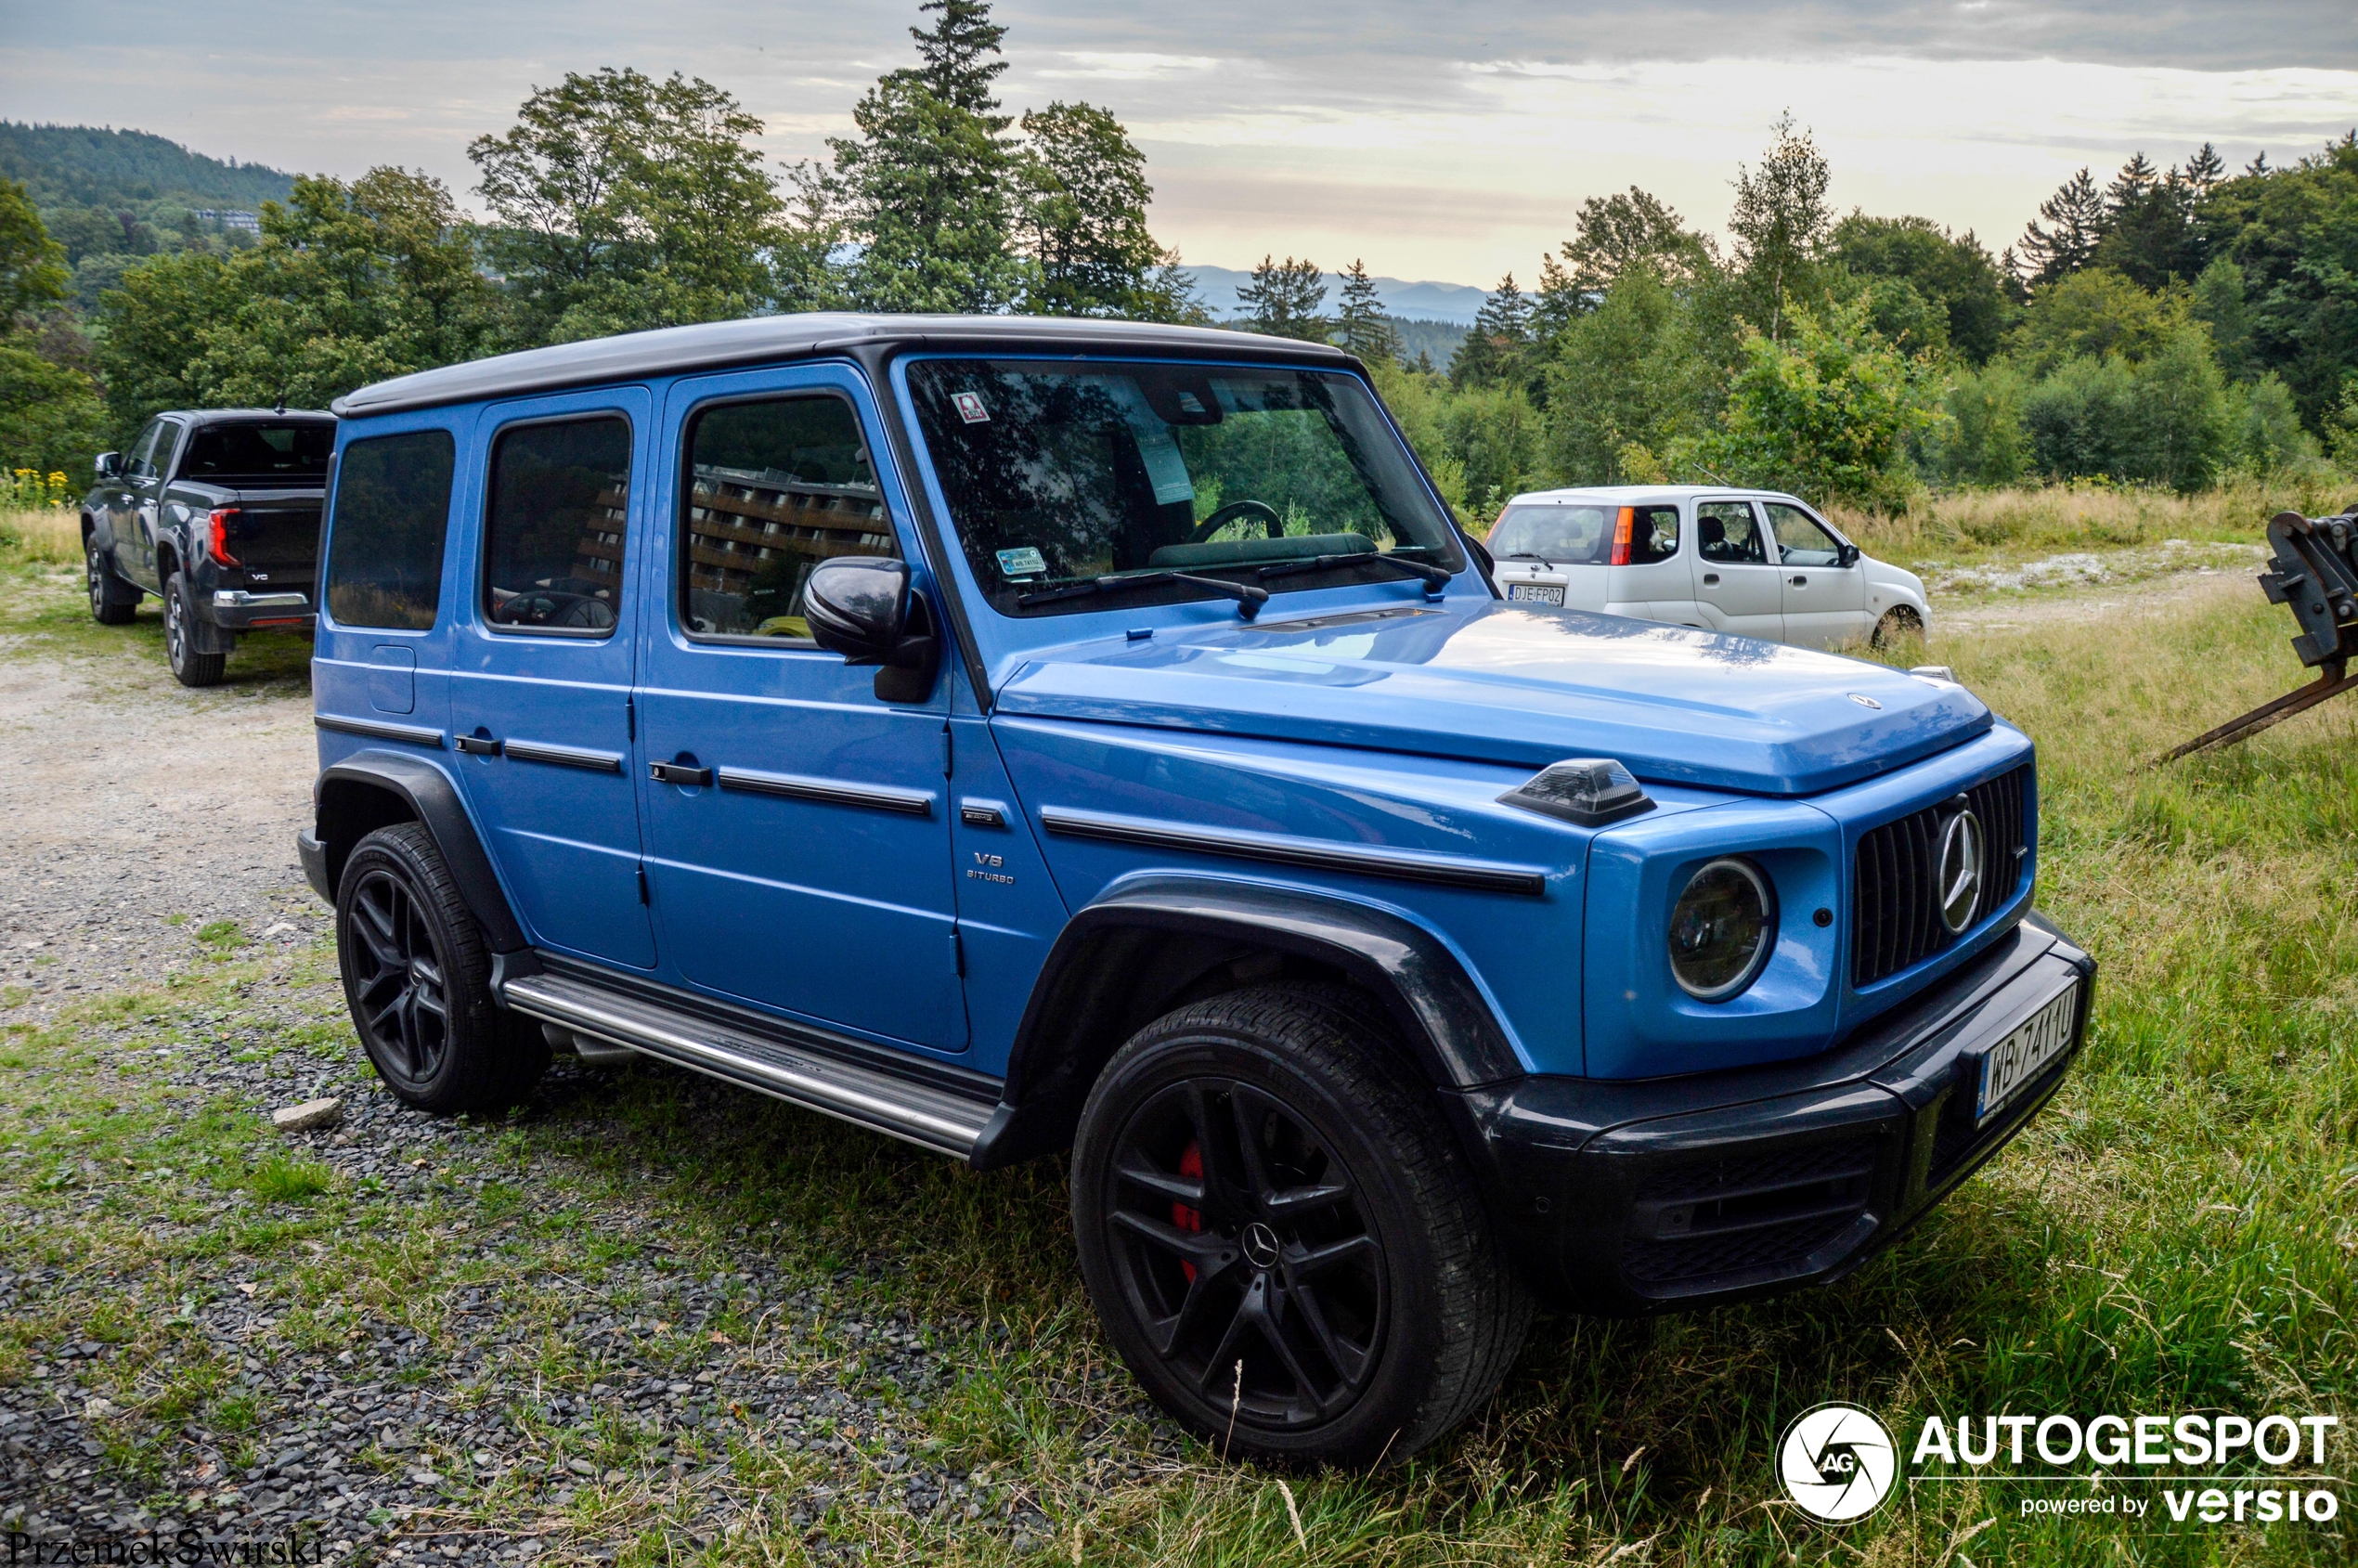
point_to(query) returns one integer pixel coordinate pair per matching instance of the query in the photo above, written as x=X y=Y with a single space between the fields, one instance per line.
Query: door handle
x=1711 y=580
x=679 y=773
x=1798 y=582
x=479 y=746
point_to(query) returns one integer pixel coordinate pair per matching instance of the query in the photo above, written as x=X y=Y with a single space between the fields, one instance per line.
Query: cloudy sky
x=1436 y=140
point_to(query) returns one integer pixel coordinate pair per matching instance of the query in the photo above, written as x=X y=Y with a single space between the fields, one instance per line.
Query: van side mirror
x=107 y=464
x=1847 y=555
x=863 y=607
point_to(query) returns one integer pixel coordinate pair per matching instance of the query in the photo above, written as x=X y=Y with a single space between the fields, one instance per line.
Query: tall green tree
x=1287 y=299
x=50 y=416
x=1629 y=380
x=32 y=266
x=1498 y=348
x=622 y=202
x=1780 y=222
x=2151 y=235
x=2293 y=231
x=2064 y=238
x=1950 y=274
x=1361 y=325
x=1083 y=216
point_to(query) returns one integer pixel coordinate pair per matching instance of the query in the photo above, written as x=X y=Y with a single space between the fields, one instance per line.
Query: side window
x=384 y=545
x=772 y=488
x=1726 y=532
x=154 y=448
x=1801 y=540
x=553 y=532
x=1654 y=535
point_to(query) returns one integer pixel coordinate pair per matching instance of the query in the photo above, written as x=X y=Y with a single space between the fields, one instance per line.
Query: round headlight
x=1721 y=929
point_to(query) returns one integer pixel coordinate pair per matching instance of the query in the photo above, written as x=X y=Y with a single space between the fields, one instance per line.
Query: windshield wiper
x=1249 y=598
x=1527 y=555
x=1435 y=576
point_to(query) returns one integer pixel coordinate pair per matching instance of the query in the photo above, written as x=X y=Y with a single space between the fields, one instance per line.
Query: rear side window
x=552 y=537
x=391 y=510
x=1654 y=534
x=772 y=488
x=1727 y=533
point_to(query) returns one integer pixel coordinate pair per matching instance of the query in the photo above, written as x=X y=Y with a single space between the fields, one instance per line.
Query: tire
x=1899 y=622
x=1282 y=1240
x=113 y=601
x=418 y=979
x=189 y=666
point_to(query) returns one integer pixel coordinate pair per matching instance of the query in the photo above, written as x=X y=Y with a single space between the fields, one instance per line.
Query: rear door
x=543 y=663
x=797 y=824
x=1825 y=601
x=1735 y=572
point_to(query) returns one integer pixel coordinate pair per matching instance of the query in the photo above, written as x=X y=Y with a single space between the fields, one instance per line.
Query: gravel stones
x=308 y=1117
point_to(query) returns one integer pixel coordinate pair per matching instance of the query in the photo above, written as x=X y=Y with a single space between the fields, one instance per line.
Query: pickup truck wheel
x=113 y=601
x=1283 y=1241
x=417 y=980
x=189 y=666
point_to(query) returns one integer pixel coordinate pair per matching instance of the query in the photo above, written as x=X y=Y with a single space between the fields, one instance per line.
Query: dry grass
x=48 y=535
x=1977 y=524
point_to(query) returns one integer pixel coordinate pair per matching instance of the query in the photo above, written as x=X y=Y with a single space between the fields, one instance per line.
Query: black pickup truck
x=216 y=512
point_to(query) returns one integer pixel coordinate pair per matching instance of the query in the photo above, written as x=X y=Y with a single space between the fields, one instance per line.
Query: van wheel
x=418 y=982
x=189 y=666
x=113 y=601
x=1280 y=1236
x=1898 y=623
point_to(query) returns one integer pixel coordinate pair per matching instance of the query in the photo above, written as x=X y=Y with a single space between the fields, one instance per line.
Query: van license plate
x=1536 y=593
x=2025 y=1054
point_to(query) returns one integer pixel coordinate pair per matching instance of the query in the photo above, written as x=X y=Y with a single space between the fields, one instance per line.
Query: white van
x=1756 y=562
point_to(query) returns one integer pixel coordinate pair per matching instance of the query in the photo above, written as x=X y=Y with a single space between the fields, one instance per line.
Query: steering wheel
x=1261 y=511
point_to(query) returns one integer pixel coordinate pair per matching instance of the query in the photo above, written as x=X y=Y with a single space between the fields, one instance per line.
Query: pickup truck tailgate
x=275 y=538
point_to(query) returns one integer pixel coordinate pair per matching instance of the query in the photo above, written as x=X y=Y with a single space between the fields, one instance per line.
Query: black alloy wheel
x=1246 y=1249
x=189 y=666
x=110 y=603
x=400 y=999
x=418 y=979
x=1281 y=1237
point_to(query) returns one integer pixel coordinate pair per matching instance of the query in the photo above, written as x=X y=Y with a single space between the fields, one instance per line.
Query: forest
x=2165 y=328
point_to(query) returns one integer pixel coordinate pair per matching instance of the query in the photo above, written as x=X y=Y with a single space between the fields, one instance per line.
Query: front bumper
x=1628 y=1198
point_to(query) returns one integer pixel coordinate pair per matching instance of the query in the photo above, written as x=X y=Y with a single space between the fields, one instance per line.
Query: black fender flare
x=372 y=789
x=1438 y=1012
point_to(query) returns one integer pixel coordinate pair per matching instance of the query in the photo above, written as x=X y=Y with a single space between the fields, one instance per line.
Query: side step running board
x=935 y=1119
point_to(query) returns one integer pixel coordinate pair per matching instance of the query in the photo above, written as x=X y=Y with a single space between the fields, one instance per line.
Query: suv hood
x=1521 y=686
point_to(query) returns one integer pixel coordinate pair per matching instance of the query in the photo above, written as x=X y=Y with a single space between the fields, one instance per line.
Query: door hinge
x=630 y=717
x=644 y=897
x=948 y=758
x=957 y=954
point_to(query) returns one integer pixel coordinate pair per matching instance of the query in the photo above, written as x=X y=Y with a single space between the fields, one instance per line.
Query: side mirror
x=1848 y=555
x=861 y=607
x=109 y=464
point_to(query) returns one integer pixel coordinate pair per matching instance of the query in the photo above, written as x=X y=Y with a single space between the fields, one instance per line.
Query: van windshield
x=1062 y=474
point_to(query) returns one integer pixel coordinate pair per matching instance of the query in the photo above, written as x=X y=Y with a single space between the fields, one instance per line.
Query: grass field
x=2178 y=1232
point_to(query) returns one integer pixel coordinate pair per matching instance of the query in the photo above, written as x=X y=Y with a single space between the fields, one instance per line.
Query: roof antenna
x=282 y=402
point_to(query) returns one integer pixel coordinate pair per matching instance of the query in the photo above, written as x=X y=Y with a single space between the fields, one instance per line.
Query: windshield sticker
x=970 y=408
x=1025 y=561
x=1166 y=470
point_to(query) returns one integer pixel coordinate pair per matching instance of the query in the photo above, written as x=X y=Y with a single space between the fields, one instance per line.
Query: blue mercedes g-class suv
x=1019 y=736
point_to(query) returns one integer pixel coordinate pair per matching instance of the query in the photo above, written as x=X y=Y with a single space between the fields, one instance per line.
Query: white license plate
x=2026 y=1053
x=1536 y=593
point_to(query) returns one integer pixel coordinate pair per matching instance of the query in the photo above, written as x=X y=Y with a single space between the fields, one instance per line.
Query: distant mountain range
x=93 y=166
x=1453 y=302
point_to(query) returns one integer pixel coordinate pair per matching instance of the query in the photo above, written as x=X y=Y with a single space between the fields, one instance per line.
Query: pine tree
x=2136 y=181
x=1364 y=328
x=2205 y=170
x=2077 y=218
x=955 y=70
x=1496 y=349
x=1287 y=300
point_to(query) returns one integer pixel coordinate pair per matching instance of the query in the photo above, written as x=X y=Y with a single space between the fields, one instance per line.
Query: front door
x=540 y=683
x=1825 y=601
x=797 y=824
x=1736 y=576
x=150 y=460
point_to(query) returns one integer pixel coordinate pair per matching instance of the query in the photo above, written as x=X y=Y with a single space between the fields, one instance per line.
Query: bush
x=2266 y=427
x=2167 y=421
x=1981 y=439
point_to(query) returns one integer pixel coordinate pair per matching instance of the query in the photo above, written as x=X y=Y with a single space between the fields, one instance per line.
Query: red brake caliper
x=1190 y=1164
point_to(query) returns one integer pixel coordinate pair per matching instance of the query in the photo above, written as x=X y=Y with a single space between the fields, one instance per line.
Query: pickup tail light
x=1622 y=526
x=217 y=536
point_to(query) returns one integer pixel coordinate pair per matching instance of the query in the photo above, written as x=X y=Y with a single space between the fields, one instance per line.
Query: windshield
x=1060 y=474
x=292 y=454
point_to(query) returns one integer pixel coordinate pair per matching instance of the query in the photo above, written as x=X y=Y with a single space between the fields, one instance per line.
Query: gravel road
x=141 y=819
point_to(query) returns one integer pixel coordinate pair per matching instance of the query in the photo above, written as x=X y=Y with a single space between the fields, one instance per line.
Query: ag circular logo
x=1958 y=893
x=1838 y=1463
